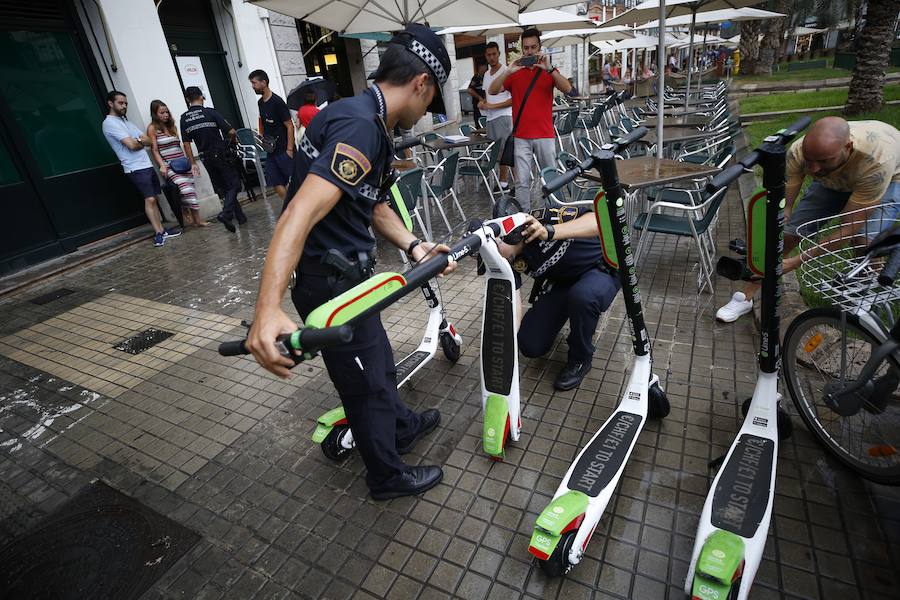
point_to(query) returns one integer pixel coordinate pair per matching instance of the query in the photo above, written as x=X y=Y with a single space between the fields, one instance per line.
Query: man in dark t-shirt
x=476 y=90
x=276 y=127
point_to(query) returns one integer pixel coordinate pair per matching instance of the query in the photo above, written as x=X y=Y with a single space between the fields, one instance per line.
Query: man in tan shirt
x=854 y=166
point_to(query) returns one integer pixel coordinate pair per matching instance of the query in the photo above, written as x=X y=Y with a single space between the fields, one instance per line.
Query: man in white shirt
x=497 y=108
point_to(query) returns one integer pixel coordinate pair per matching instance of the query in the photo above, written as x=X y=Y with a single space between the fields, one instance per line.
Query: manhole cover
x=51 y=296
x=142 y=341
x=99 y=544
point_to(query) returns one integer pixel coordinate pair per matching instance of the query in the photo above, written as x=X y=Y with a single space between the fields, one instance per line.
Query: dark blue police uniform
x=347 y=144
x=273 y=113
x=209 y=131
x=577 y=287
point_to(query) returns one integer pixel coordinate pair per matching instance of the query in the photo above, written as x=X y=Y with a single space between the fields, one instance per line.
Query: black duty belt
x=336 y=263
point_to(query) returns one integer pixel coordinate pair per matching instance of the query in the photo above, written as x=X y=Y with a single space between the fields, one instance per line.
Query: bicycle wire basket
x=834 y=263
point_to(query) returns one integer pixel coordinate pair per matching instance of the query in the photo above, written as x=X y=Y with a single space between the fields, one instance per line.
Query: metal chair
x=251 y=154
x=444 y=188
x=482 y=165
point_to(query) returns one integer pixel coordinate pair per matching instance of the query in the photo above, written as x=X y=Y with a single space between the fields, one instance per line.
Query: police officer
x=213 y=136
x=341 y=170
x=572 y=283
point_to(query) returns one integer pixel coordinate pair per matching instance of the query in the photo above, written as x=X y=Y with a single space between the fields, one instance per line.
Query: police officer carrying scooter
x=338 y=189
x=561 y=251
x=213 y=135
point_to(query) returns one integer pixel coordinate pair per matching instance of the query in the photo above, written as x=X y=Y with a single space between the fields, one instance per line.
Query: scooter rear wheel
x=331 y=445
x=449 y=346
x=658 y=404
x=558 y=563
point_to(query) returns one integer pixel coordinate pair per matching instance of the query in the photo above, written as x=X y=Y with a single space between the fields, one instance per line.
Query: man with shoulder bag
x=531 y=81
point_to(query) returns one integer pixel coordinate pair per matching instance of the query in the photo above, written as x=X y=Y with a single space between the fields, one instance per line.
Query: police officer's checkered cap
x=424 y=43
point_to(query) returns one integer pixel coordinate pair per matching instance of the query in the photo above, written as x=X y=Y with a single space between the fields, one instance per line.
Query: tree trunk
x=750 y=31
x=872 y=56
x=773 y=40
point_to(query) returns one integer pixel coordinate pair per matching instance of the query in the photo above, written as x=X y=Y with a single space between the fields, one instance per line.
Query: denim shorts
x=820 y=202
x=146 y=182
x=279 y=168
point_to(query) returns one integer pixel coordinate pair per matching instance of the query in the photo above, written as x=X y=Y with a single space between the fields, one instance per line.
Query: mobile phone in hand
x=528 y=61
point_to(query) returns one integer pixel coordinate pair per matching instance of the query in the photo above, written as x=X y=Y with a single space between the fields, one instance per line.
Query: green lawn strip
x=794 y=100
x=807 y=75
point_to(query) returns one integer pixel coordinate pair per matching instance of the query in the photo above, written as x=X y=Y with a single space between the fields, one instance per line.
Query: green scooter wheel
x=558 y=563
x=331 y=445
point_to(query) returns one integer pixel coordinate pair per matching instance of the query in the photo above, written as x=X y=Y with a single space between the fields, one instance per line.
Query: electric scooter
x=564 y=528
x=499 y=352
x=734 y=523
x=333 y=433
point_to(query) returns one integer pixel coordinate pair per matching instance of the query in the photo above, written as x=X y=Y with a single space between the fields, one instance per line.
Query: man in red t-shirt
x=534 y=134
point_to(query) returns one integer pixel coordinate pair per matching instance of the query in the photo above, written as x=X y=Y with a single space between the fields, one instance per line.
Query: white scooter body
x=418 y=358
x=738 y=500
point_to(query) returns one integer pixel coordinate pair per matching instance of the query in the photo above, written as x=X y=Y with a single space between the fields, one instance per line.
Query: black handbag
x=508 y=156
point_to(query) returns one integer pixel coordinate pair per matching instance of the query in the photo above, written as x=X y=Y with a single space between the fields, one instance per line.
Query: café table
x=472 y=140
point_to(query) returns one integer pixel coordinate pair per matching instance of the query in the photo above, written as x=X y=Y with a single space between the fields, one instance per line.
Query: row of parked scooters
x=735 y=518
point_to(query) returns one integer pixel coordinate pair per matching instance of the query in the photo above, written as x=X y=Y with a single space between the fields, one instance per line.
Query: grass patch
x=756 y=131
x=807 y=75
x=790 y=101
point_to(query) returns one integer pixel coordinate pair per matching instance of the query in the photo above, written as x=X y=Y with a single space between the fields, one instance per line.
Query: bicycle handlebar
x=588 y=163
x=889 y=271
x=729 y=175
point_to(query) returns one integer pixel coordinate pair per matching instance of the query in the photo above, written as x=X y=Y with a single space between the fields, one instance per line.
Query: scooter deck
x=409 y=364
x=601 y=460
x=741 y=496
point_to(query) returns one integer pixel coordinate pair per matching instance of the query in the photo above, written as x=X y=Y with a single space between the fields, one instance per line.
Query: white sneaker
x=736 y=307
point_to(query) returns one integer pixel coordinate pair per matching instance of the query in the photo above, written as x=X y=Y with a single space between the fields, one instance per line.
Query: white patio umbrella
x=551 y=17
x=574 y=37
x=715 y=16
x=362 y=16
x=649 y=10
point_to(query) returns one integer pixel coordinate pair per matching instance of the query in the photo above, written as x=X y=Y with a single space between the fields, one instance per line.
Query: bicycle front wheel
x=869 y=440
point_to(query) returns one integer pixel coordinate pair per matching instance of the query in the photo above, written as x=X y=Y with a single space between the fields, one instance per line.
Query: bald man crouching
x=853 y=165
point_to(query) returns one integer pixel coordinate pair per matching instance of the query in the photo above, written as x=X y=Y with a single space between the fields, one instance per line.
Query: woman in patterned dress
x=163 y=135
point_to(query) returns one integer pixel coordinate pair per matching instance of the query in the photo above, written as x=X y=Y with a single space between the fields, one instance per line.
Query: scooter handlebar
x=725 y=178
x=630 y=138
x=588 y=163
x=406 y=143
x=794 y=128
x=307 y=340
x=889 y=273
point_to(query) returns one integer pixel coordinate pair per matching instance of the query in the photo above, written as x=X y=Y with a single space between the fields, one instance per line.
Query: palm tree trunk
x=872 y=55
x=750 y=31
x=773 y=40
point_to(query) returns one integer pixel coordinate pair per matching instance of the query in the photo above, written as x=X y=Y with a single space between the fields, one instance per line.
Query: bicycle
x=842 y=362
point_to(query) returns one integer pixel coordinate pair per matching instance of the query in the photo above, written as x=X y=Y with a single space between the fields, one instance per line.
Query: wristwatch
x=412 y=246
x=551 y=231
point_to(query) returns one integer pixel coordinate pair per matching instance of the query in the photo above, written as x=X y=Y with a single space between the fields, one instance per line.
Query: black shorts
x=146 y=182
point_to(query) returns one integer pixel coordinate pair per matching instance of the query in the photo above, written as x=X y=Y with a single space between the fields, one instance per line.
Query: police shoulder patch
x=349 y=164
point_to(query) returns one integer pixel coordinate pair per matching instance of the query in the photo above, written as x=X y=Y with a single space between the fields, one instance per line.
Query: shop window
x=45 y=85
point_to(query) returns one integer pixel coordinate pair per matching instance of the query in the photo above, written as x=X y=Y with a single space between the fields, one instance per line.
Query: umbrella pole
x=700 y=74
x=687 y=89
x=660 y=78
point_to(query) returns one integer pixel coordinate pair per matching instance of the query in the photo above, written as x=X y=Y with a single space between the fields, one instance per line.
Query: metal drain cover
x=142 y=341
x=51 y=296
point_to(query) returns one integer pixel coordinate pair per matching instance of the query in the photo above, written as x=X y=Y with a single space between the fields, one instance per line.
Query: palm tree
x=872 y=53
x=750 y=31
x=773 y=40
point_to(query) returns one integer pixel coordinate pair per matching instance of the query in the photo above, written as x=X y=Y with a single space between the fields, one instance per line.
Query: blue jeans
x=820 y=202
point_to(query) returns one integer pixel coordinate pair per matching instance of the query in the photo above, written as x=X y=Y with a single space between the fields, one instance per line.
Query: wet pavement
x=223 y=448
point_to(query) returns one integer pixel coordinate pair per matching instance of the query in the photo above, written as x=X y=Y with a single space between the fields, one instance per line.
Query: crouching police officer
x=561 y=250
x=340 y=168
x=213 y=136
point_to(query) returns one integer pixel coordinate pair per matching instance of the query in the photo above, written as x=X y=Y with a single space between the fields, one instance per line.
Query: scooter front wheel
x=332 y=446
x=658 y=404
x=558 y=563
x=449 y=346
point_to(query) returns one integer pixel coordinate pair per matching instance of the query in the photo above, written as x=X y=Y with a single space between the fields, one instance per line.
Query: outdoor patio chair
x=694 y=221
x=251 y=155
x=440 y=183
x=565 y=126
x=482 y=166
x=410 y=186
